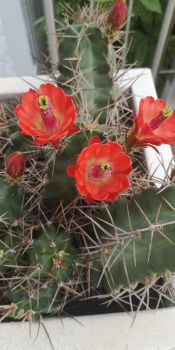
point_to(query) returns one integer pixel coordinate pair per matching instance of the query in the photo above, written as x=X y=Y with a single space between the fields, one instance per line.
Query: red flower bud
x=117 y=14
x=15 y=163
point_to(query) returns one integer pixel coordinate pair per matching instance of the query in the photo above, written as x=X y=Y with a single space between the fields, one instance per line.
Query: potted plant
x=82 y=221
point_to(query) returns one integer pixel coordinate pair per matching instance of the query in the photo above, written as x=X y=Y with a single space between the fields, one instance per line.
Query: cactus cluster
x=55 y=243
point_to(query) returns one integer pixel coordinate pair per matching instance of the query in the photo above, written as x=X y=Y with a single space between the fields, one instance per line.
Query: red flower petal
x=106 y=153
x=112 y=196
x=122 y=163
x=114 y=184
x=94 y=139
x=166 y=131
x=73 y=129
x=71 y=169
x=149 y=108
x=125 y=182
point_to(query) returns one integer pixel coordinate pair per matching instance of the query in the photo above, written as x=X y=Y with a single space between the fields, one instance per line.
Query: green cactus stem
x=142 y=243
x=11 y=197
x=10 y=247
x=51 y=261
x=32 y=302
x=53 y=255
x=84 y=69
x=19 y=142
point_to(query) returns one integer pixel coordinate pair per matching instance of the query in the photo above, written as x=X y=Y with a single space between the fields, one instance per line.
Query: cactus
x=60 y=185
x=18 y=142
x=84 y=69
x=103 y=232
x=53 y=254
x=142 y=240
x=11 y=197
x=31 y=303
x=8 y=251
x=49 y=264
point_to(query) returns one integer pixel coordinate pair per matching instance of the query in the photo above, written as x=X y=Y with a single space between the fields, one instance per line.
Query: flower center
x=156 y=122
x=49 y=120
x=43 y=102
x=167 y=112
x=99 y=171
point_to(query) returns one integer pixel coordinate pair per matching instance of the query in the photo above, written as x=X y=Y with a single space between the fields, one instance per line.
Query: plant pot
x=143 y=330
x=150 y=330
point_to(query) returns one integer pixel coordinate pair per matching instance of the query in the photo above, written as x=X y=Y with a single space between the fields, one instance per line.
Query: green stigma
x=104 y=167
x=43 y=102
x=167 y=112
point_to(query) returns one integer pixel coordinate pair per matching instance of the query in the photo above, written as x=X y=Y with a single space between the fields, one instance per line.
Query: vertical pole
x=51 y=32
x=166 y=28
x=128 y=23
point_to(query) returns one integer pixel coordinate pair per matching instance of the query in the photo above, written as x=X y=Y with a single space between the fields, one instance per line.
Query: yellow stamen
x=43 y=102
x=167 y=112
x=104 y=167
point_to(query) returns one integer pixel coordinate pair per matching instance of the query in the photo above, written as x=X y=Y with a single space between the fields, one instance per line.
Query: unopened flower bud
x=117 y=15
x=15 y=164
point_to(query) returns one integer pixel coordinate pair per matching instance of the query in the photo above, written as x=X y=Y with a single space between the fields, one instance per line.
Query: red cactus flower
x=15 y=163
x=154 y=125
x=101 y=171
x=117 y=14
x=47 y=114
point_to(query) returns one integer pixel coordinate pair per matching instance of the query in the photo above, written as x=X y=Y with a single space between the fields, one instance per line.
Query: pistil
x=49 y=120
x=156 y=122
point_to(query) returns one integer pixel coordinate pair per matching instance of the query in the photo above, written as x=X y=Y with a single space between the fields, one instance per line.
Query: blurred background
x=28 y=44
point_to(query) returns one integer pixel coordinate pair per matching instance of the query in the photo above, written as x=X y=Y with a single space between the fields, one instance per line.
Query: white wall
x=15 y=53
